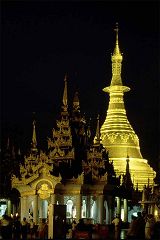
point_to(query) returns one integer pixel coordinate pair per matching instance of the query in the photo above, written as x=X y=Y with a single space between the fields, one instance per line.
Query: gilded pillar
x=14 y=210
x=88 y=206
x=152 y=208
x=40 y=207
x=21 y=211
x=125 y=203
x=23 y=207
x=53 y=198
x=110 y=207
x=106 y=212
x=100 y=209
x=78 y=206
x=9 y=207
x=119 y=206
x=43 y=209
x=50 y=216
x=35 y=209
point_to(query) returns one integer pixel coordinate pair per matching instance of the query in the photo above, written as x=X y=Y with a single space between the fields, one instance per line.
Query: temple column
x=144 y=197
x=94 y=207
x=152 y=208
x=78 y=206
x=23 y=207
x=106 y=212
x=110 y=207
x=40 y=207
x=50 y=216
x=53 y=198
x=9 y=207
x=43 y=209
x=35 y=209
x=14 y=209
x=88 y=207
x=119 y=206
x=100 y=209
x=125 y=203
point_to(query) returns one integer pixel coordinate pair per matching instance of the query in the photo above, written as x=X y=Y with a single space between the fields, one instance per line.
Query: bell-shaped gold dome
x=117 y=134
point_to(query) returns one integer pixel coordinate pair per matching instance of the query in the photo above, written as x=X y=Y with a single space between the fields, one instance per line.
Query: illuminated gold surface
x=44 y=192
x=118 y=136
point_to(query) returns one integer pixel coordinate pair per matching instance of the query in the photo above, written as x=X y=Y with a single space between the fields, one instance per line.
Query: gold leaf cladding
x=112 y=137
x=124 y=137
x=116 y=110
x=135 y=138
x=44 y=192
x=116 y=100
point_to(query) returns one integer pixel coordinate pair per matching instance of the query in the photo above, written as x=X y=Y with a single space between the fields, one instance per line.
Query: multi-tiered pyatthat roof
x=71 y=152
x=117 y=134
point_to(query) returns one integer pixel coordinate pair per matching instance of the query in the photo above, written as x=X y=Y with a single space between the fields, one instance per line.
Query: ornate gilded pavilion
x=75 y=171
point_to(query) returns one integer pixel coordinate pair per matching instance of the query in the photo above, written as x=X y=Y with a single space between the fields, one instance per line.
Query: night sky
x=42 y=41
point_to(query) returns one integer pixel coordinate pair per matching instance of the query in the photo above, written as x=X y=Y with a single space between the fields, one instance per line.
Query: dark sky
x=41 y=41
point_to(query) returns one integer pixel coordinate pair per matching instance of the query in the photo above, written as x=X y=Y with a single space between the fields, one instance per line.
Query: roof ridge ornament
x=97 y=138
x=34 y=138
x=65 y=98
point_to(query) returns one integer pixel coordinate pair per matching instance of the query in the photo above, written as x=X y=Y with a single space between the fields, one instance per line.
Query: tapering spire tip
x=65 y=94
x=116 y=28
x=65 y=77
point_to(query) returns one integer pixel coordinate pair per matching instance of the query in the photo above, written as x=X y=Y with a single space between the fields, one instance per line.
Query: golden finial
x=117 y=50
x=65 y=77
x=97 y=137
x=65 y=92
x=13 y=152
x=19 y=152
x=34 y=139
x=116 y=30
x=76 y=104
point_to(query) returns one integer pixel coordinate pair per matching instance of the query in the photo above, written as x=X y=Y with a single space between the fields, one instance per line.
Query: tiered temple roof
x=71 y=151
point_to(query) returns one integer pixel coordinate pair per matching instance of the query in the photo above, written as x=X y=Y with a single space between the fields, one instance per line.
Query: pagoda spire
x=65 y=98
x=98 y=134
x=127 y=165
x=116 y=59
x=118 y=136
x=76 y=114
x=34 y=138
x=19 y=151
x=13 y=152
x=117 y=54
x=76 y=103
x=127 y=178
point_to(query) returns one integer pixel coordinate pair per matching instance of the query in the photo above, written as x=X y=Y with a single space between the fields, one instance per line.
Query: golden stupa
x=117 y=134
